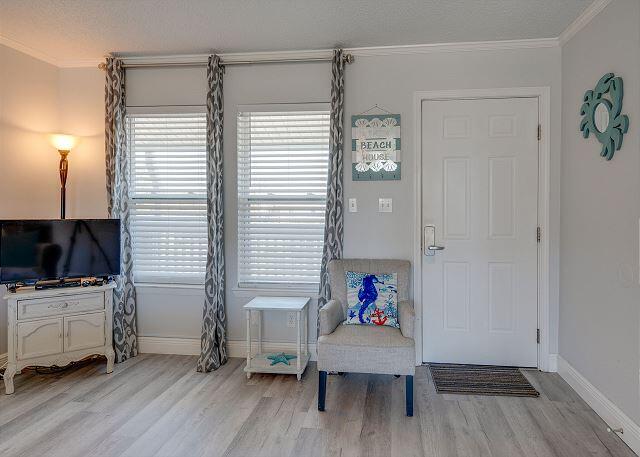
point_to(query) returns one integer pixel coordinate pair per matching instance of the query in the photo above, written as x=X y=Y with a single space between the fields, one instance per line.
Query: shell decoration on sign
x=374 y=127
x=375 y=166
x=390 y=165
x=362 y=167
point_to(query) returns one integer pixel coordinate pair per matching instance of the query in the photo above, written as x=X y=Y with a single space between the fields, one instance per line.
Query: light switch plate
x=353 y=205
x=385 y=205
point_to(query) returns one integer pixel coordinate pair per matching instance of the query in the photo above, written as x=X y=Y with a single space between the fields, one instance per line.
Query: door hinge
x=538 y=234
x=539 y=132
x=538 y=336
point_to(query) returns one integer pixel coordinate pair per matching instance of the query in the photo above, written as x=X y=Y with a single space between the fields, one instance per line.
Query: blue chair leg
x=408 y=395
x=322 y=389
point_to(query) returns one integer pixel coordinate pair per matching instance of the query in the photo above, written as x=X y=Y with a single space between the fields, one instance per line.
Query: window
x=168 y=196
x=282 y=185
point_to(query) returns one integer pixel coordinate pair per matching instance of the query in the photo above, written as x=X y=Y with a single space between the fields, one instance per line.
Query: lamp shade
x=63 y=142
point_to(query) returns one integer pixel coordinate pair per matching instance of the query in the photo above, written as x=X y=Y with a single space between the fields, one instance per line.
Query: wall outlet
x=291 y=320
x=353 y=205
x=385 y=205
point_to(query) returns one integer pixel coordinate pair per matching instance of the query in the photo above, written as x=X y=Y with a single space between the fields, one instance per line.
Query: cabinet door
x=83 y=331
x=39 y=338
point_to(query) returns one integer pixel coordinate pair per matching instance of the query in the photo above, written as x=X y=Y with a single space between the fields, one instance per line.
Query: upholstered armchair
x=366 y=348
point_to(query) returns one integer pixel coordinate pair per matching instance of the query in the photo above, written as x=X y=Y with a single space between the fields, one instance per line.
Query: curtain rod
x=348 y=58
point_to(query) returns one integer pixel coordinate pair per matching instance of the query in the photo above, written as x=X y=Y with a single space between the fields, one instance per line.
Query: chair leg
x=322 y=389
x=409 y=395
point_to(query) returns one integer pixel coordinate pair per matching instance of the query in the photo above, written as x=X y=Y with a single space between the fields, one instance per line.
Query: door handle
x=429 y=241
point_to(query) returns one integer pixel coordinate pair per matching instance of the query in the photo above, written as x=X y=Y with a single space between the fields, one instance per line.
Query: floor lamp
x=64 y=144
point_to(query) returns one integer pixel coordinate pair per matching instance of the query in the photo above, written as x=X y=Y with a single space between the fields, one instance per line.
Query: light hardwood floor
x=159 y=405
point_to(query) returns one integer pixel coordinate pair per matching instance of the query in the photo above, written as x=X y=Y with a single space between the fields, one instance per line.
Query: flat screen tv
x=37 y=250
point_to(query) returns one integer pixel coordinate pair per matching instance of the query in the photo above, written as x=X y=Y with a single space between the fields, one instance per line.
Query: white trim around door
x=543 y=94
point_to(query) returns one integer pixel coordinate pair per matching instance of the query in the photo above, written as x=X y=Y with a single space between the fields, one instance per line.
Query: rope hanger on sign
x=374 y=107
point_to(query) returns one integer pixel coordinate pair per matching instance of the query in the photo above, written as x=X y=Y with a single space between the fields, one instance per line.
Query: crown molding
x=79 y=63
x=372 y=51
x=581 y=21
x=454 y=47
x=357 y=52
x=17 y=46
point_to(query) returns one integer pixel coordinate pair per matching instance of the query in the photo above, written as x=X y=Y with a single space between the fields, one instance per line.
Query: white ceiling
x=72 y=30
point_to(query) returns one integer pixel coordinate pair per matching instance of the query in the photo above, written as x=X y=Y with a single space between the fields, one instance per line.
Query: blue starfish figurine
x=280 y=358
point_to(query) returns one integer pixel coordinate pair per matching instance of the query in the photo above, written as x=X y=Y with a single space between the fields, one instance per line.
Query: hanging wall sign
x=375 y=146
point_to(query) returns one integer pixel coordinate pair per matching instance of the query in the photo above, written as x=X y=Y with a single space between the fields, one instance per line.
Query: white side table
x=259 y=363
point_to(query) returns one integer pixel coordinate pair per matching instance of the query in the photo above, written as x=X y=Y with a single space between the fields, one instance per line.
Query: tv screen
x=34 y=250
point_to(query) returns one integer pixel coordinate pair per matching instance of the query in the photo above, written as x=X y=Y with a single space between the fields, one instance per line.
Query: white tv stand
x=58 y=326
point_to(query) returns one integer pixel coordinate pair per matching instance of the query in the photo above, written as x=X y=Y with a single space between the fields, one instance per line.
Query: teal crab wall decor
x=601 y=111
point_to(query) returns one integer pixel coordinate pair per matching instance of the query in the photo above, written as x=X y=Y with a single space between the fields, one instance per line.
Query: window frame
x=187 y=282
x=268 y=288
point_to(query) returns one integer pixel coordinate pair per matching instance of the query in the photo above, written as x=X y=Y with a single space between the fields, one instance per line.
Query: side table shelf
x=259 y=362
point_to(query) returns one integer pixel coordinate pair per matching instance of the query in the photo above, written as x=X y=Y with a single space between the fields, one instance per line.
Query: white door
x=480 y=195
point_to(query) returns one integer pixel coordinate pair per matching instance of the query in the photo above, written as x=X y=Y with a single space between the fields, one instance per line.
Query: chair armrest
x=331 y=315
x=407 y=317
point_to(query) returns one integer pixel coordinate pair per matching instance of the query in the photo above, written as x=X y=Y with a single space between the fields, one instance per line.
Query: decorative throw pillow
x=372 y=298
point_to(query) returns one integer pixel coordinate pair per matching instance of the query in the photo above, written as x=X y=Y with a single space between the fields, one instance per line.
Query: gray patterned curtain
x=213 y=351
x=334 y=215
x=125 y=339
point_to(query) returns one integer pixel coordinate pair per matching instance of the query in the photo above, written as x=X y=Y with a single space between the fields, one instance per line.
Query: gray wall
x=177 y=312
x=29 y=182
x=389 y=81
x=599 y=292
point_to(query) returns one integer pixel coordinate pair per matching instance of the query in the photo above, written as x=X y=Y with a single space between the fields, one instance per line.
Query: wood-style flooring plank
x=158 y=405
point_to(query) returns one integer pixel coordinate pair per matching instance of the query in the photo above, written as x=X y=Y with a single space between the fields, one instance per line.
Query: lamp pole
x=64 y=144
x=64 y=171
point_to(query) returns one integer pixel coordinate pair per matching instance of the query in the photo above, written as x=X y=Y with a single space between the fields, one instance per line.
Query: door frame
x=543 y=94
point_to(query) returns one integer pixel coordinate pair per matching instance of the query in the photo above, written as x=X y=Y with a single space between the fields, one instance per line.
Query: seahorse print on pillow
x=372 y=298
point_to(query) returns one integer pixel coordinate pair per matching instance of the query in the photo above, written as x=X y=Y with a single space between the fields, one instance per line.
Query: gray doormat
x=480 y=380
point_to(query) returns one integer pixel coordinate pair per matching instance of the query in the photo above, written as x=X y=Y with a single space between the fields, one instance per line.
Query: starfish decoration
x=280 y=358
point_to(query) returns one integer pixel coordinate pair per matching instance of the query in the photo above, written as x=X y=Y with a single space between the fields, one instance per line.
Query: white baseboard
x=553 y=363
x=191 y=346
x=608 y=411
x=162 y=345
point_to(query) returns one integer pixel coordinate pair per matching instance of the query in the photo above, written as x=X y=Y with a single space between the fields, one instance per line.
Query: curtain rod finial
x=102 y=66
x=348 y=58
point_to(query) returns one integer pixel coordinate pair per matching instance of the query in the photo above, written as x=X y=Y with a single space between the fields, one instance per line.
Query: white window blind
x=168 y=196
x=282 y=185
